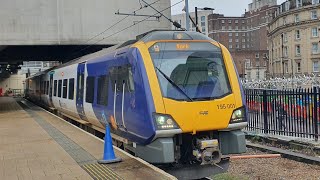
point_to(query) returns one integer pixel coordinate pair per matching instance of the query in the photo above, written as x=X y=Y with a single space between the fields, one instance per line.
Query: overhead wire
x=113 y=25
x=138 y=22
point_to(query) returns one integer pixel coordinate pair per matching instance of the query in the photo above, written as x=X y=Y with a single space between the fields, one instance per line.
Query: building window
x=314 y=32
x=314 y=14
x=298 y=3
x=237 y=40
x=315 y=48
x=242 y=21
x=243 y=40
x=223 y=27
x=230 y=40
x=284 y=21
x=285 y=37
x=237 y=28
x=248 y=63
x=203 y=24
x=203 y=18
x=230 y=34
x=230 y=28
x=237 y=46
x=237 y=34
x=222 y=21
x=243 y=27
x=243 y=46
x=65 y=88
x=315 y=66
x=298 y=67
x=298 y=50
x=90 y=89
x=230 y=46
x=229 y=21
x=297 y=34
x=286 y=67
x=257 y=55
x=204 y=30
x=71 y=88
x=236 y=21
x=285 y=51
x=258 y=75
x=315 y=2
x=243 y=34
x=296 y=18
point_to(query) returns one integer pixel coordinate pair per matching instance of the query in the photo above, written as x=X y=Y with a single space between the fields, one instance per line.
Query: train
x=174 y=96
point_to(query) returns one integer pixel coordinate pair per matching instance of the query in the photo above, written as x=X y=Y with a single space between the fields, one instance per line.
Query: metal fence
x=284 y=112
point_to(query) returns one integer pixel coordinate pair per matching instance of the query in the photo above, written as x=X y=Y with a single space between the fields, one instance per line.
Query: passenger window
x=121 y=75
x=71 y=88
x=65 y=88
x=103 y=82
x=47 y=88
x=55 y=88
x=90 y=89
x=59 y=88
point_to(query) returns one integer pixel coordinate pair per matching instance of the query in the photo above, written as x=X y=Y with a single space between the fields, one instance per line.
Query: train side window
x=103 y=83
x=55 y=88
x=121 y=75
x=65 y=88
x=47 y=88
x=59 y=88
x=71 y=88
x=90 y=89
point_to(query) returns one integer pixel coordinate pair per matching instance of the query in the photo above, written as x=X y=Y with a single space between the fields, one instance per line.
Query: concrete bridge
x=56 y=29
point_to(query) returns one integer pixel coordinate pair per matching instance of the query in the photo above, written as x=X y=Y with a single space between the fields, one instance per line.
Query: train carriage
x=175 y=95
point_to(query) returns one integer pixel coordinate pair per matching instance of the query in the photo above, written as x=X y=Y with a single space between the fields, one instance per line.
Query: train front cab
x=199 y=104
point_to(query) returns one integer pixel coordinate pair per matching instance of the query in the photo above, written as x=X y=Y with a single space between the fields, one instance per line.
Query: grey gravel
x=272 y=168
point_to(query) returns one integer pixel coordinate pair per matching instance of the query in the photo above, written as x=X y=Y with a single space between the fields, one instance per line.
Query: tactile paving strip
x=81 y=156
x=98 y=171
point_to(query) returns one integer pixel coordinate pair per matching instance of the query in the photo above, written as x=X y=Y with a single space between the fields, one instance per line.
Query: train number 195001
x=226 y=106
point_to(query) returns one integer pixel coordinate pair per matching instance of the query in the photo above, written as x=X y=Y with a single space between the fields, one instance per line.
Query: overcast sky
x=226 y=7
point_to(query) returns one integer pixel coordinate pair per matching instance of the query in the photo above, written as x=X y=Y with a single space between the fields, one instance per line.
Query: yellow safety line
x=101 y=172
x=108 y=170
x=98 y=172
x=92 y=172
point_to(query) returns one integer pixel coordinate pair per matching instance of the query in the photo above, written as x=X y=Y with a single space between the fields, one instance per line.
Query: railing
x=284 y=112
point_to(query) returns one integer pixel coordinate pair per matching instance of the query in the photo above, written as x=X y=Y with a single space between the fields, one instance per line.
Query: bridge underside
x=14 y=55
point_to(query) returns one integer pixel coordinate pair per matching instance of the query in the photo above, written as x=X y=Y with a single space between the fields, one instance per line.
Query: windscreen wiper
x=174 y=84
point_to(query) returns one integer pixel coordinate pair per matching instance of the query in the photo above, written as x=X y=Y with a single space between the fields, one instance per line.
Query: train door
x=120 y=80
x=80 y=90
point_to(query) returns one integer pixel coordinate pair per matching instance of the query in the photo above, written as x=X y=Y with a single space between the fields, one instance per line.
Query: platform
x=35 y=144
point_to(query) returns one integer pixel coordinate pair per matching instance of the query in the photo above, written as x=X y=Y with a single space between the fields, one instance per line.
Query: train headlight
x=164 y=122
x=238 y=115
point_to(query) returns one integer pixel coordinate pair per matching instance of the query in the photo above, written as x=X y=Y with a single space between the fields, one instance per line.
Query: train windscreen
x=191 y=71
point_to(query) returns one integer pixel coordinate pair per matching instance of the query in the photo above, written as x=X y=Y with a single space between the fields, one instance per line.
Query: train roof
x=153 y=35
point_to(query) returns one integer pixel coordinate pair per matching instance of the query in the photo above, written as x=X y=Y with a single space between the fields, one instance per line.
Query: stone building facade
x=294 y=39
x=246 y=37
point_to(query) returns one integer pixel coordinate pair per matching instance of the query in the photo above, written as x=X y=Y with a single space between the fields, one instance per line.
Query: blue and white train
x=174 y=95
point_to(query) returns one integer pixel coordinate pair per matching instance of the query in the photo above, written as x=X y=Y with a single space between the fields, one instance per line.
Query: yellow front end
x=195 y=116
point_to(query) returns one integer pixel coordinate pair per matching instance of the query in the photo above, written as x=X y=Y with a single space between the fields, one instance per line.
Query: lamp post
x=187 y=15
x=196 y=13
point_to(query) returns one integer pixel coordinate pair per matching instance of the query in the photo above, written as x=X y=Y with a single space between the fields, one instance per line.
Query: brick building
x=246 y=37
